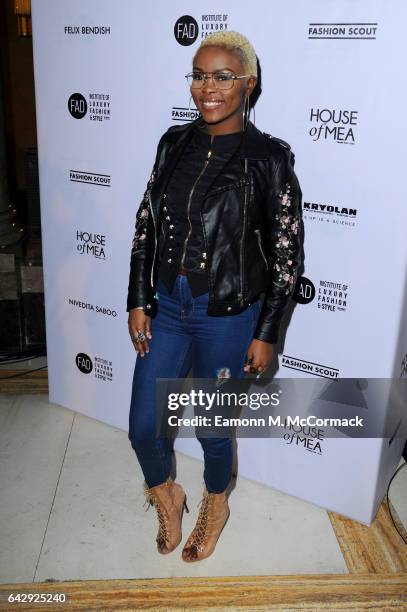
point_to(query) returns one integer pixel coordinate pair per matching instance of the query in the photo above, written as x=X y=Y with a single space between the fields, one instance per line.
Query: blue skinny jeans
x=184 y=336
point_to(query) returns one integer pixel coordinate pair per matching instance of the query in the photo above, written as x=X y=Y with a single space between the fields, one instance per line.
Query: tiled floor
x=72 y=509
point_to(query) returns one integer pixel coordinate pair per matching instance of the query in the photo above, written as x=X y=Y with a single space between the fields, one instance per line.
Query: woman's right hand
x=140 y=322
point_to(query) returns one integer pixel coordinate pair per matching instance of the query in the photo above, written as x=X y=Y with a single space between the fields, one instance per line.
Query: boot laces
x=201 y=528
x=151 y=500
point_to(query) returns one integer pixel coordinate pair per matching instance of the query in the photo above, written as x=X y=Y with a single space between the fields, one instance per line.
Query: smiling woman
x=223 y=77
x=215 y=257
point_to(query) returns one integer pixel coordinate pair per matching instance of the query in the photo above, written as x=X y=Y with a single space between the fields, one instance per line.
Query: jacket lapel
x=253 y=145
x=174 y=143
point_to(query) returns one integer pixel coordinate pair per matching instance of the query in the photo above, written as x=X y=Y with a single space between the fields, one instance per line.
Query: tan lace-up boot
x=213 y=514
x=169 y=500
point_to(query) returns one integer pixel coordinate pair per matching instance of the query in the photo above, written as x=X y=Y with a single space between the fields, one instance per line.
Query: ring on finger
x=141 y=335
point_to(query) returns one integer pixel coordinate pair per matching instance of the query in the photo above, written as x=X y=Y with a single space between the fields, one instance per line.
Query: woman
x=219 y=229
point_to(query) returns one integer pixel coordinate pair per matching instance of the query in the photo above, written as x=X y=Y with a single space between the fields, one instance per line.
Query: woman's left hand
x=259 y=356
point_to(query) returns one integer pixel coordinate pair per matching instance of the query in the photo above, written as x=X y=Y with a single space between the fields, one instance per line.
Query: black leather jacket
x=252 y=225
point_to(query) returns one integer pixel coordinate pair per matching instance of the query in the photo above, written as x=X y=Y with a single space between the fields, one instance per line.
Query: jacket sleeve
x=140 y=291
x=285 y=240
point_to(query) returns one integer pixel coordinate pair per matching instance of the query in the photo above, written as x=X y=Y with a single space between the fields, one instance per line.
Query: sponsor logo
x=304 y=291
x=309 y=367
x=332 y=296
x=97 y=106
x=186 y=30
x=102 y=368
x=304 y=436
x=108 y=312
x=333 y=125
x=182 y=113
x=84 y=363
x=91 y=178
x=345 y=31
x=88 y=243
x=213 y=23
x=93 y=30
x=330 y=213
x=77 y=106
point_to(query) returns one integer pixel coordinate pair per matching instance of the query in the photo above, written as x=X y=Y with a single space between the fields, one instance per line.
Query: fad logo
x=103 y=369
x=77 y=106
x=304 y=291
x=97 y=106
x=186 y=30
x=84 y=363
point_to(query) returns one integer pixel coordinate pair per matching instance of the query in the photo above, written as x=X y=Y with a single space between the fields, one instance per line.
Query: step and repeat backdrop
x=109 y=79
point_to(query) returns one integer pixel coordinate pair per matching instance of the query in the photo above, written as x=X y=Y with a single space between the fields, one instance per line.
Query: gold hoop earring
x=246 y=113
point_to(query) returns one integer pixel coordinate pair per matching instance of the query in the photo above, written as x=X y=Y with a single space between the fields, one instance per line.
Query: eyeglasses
x=221 y=80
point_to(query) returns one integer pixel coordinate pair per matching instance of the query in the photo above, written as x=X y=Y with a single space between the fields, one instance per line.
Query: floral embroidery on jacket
x=142 y=216
x=288 y=227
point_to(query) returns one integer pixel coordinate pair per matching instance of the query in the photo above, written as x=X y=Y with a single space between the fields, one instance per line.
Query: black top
x=186 y=188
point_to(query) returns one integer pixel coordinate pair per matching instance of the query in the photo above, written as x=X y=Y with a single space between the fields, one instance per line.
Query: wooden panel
x=18 y=381
x=376 y=549
x=288 y=593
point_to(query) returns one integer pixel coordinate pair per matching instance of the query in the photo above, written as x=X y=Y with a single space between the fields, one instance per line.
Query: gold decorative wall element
x=22 y=9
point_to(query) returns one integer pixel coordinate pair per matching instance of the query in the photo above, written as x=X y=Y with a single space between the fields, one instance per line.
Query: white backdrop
x=109 y=81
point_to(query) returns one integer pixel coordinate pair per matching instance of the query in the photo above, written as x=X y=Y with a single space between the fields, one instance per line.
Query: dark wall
x=17 y=74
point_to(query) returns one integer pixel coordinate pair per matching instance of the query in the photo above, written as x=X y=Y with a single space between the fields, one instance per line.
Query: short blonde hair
x=235 y=42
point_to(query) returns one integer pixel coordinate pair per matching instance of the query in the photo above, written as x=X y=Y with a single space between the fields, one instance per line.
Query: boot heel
x=185 y=504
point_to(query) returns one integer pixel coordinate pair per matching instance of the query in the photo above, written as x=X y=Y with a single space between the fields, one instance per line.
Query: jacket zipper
x=261 y=247
x=189 y=206
x=242 y=241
